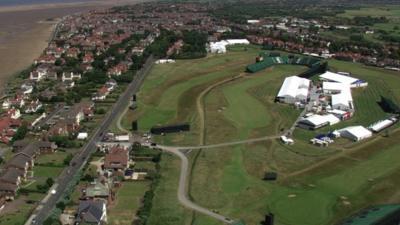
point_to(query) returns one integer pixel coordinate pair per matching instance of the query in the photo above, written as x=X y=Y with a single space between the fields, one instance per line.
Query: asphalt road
x=79 y=160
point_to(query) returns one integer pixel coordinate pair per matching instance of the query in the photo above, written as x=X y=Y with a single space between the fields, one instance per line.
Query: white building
x=294 y=89
x=317 y=121
x=343 y=100
x=355 y=133
x=343 y=79
x=253 y=21
x=165 y=61
x=220 y=46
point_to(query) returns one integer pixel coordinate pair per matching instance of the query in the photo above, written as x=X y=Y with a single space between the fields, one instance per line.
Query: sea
x=35 y=2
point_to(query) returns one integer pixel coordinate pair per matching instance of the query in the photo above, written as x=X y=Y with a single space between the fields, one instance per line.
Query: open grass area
x=128 y=200
x=21 y=209
x=389 y=11
x=316 y=186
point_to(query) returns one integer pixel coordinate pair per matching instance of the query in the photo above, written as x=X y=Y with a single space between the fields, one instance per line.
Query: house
x=64 y=127
x=111 y=85
x=73 y=52
x=40 y=147
x=13 y=113
x=8 y=190
x=33 y=106
x=21 y=162
x=70 y=76
x=6 y=104
x=13 y=176
x=18 y=101
x=101 y=94
x=99 y=189
x=8 y=127
x=27 y=88
x=117 y=159
x=46 y=59
x=92 y=212
x=118 y=70
x=294 y=89
x=88 y=58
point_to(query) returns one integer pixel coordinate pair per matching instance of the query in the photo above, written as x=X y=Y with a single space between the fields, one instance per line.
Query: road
x=80 y=160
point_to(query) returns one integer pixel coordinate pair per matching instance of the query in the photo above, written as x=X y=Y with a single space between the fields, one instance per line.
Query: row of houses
x=14 y=173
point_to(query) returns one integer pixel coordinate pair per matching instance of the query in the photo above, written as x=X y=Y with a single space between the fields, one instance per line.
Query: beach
x=25 y=31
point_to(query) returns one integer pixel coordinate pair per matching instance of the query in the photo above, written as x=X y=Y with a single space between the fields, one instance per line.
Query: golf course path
x=182 y=189
x=201 y=108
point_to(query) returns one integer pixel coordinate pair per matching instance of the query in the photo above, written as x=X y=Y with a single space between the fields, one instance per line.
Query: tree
x=20 y=134
x=68 y=159
x=49 y=182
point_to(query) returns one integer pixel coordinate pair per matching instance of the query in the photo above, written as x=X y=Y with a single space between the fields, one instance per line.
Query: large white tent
x=355 y=133
x=317 y=121
x=220 y=46
x=294 y=89
x=343 y=100
x=343 y=79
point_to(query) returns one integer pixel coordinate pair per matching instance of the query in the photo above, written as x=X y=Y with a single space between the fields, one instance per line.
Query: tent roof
x=338 y=78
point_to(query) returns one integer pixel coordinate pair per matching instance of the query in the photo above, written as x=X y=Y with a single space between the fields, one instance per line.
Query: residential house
x=64 y=127
x=118 y=70
x=99 y=189
x=46 y=59
x=117 y=159
x=92 y=212
x=8 y=190
x=33 y=106
x=8 y=127
x=20 y=161
x=41 y=147
x=18 y=101
x=111 y=85
x=27 y=88
x=88 y=58
x=14 y=113
x=13 y=176
x=73 y=53
x=101 y=94
x=70 y=76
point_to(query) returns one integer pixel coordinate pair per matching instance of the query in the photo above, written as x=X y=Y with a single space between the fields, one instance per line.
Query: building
x=343 y=100
x=220 y=46
x=92 y=212
x=294 y=89
x=317 y=121
x=355 y=133
x=343 y=79
x=117 y=159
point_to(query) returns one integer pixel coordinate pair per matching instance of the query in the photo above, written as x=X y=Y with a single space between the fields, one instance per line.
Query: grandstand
x=271 y=59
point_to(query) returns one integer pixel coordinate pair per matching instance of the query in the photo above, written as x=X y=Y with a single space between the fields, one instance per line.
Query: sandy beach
x=25 y=31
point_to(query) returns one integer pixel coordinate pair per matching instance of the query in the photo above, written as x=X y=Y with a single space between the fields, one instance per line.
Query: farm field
x=228 y=180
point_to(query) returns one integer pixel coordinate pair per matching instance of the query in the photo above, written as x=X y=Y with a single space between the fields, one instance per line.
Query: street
x=80 y=160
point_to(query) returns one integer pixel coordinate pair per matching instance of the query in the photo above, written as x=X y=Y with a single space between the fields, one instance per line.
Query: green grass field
x=390 y=12
x=128 y=200
x=316 y=185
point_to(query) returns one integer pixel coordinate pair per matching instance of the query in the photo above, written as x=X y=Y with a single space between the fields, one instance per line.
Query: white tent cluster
x=220 y=46
x=339 y=86
x=294 y=89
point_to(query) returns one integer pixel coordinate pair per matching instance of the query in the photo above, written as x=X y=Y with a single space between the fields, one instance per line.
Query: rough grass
x=128 y=201
x=228 y=179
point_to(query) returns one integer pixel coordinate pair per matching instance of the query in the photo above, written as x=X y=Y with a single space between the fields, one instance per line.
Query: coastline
x=25 y=31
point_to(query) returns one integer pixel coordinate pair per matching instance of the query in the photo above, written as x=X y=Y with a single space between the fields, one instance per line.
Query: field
x=128 y=200
x=328 y=183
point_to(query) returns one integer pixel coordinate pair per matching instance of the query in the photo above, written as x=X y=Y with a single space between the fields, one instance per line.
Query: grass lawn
x=390 y=12
x=128 y=200
x=23 y=211
x=317 y=185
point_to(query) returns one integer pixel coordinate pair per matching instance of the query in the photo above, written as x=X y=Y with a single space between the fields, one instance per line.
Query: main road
x=80 y=160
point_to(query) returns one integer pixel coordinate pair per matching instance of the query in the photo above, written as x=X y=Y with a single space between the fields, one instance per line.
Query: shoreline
x=25 y=31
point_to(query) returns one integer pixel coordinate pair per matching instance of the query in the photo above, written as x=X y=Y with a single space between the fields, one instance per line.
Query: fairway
x=316 y=186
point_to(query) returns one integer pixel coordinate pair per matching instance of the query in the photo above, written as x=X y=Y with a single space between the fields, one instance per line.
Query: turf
x=316 y=186
x=128 y=200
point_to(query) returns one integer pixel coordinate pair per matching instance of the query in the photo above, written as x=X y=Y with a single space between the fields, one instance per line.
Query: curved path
x=182 y=189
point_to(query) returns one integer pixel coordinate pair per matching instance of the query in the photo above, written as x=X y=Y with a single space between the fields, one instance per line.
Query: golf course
x=222 y=103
